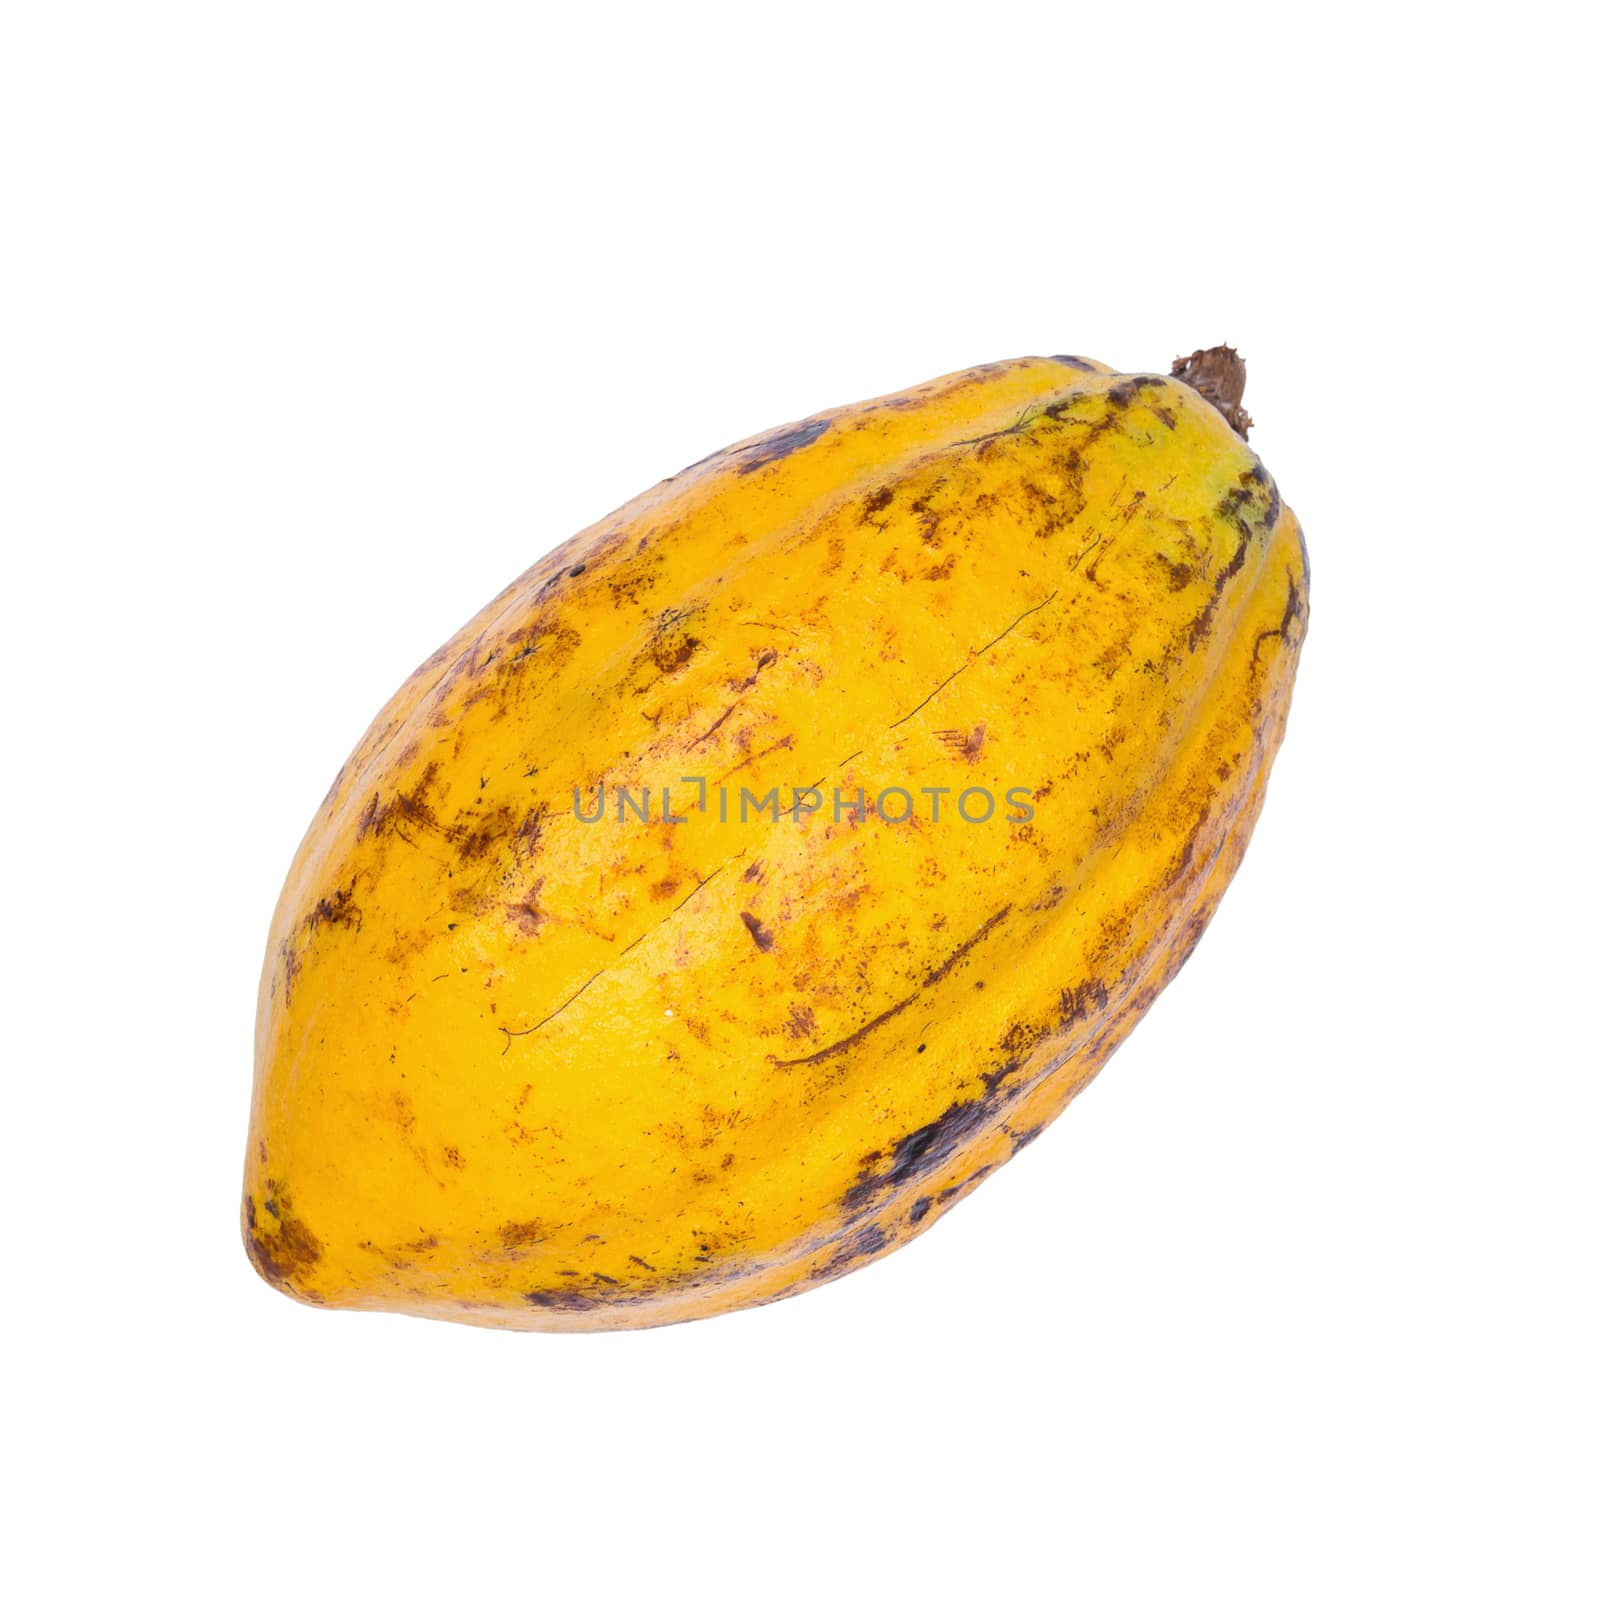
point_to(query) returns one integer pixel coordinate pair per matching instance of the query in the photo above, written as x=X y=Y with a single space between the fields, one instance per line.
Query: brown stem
x=1218 y=375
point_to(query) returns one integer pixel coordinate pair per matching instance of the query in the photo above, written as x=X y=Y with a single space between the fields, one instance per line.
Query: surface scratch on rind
x=980 y=651
x=519 y=1033
x=670 y=1132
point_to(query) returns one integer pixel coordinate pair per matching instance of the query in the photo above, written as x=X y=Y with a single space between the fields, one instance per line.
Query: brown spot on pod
x=559 y=1300
x=517 y=1235
x=674 y=654
x=282 y=1253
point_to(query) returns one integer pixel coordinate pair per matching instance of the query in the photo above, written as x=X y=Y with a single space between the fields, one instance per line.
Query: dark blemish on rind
x=493 y=828
x=761 y=936
x=752 y=872
x=1021 y=1138
x=1118 y=398
x=639 y=1261
x=1059 y=410
x=920 y=1210
x=1200 y=629
x=868 y=1242
x=340 y=911
x=877 y=501
x=1274 y=506
x=993 y=1080
x=1019 y=1039
x=1235 y=563
x=928 y=1148
x=287 y=1252
x=1231 y=507
x=1077 y=363
x=573 y=572
x=559 y=1300
x=1291 y=610
x=801 y=1022
x=525 y=914
x=966 y=743
x=1082 y=1000
x=673 y=656
x=516 y=1234
x=1179 y=573
x=409 y=807
x=863 y=1242
x=778 y=445
x=925 y=1150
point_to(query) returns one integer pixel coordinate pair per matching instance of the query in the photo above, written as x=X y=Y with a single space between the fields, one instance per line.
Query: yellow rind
x=520 y=1070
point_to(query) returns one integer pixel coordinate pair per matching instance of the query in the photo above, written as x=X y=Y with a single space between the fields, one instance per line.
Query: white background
x=320 y=322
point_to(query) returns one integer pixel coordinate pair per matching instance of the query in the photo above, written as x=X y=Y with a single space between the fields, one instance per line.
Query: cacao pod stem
x=1218 y=375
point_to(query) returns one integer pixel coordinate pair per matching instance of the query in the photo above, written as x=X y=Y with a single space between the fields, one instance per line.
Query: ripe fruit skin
x=521 y=1070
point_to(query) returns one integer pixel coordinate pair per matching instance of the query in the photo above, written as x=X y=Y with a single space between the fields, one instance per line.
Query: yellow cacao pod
x=568 y=1021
